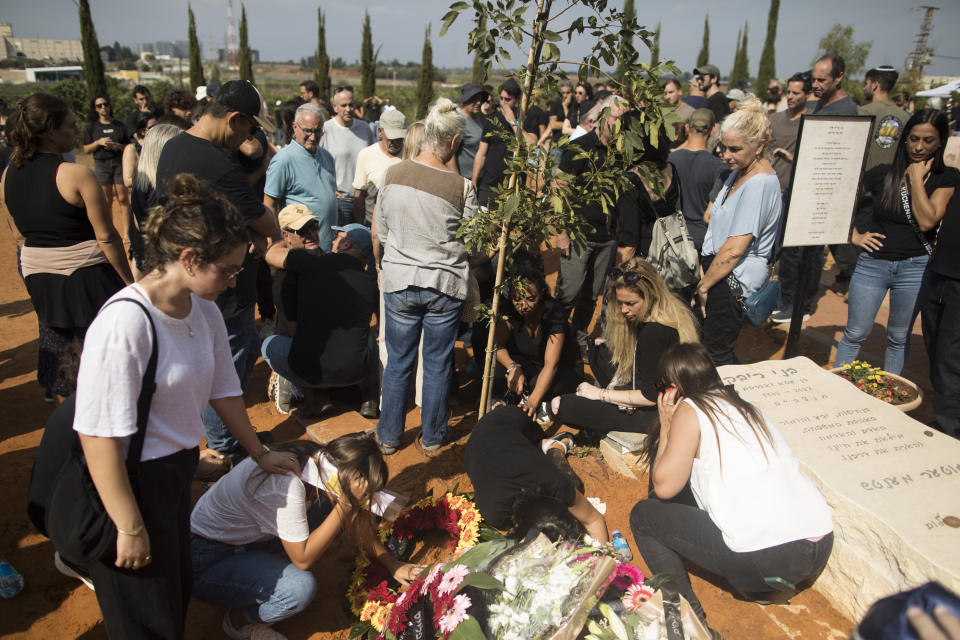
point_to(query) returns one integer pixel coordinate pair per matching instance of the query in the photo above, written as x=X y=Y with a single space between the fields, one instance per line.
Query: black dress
x=529 y=350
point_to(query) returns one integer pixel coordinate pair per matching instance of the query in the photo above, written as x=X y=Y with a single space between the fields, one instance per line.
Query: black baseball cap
x=241 y=96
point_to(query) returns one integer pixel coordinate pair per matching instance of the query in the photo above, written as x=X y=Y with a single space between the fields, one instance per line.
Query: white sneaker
x=252 y=631
x=70 y=572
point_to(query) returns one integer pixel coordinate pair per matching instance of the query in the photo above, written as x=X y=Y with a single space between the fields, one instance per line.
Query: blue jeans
x=344 y=211
x=253 y=576
x=245 y=347
x=870 y=282
x=409 y=312
x=276 y=351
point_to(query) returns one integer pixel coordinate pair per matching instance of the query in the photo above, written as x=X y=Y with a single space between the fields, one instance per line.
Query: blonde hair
x=150 y=149
x=413 y=141
x=659 y=305
x=441 y=126
x=750 y=121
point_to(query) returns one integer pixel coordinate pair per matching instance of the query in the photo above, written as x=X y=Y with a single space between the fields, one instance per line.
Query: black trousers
x=788 y=270
x=939 y=303
x=722 y=324
x=152 y=602
x=667 y=532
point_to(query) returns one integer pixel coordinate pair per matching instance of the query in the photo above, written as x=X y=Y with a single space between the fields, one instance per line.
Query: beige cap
x=294 y=216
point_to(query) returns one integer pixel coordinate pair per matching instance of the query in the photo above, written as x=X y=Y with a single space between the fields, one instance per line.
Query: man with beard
x=708 y=80
x=373 y=161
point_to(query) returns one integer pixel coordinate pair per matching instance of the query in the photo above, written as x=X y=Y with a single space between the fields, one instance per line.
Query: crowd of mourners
x=339 y=221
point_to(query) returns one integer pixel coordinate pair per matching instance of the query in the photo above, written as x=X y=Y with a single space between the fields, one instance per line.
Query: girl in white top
x=749 y=515
x=195 y=244
x=255 y=535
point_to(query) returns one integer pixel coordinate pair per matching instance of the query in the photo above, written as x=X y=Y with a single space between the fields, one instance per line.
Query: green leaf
x=616 y=624
x=469 y=629
x=448 y=20
x=551 y=36
x=359 y=629
x=481 y=580
x=510 y=207
x=459 y=6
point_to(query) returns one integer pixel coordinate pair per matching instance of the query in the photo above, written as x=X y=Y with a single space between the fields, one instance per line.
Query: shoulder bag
x=76 y=521
x=672 y=250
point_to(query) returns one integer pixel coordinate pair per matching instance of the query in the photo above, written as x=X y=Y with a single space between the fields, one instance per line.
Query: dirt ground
x=53 y=606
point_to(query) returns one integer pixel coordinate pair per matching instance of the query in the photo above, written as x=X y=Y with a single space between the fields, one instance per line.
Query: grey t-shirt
x=698 y=172
x=783 y=135
x=344 y=144
x=468 y=148
x=842 y=107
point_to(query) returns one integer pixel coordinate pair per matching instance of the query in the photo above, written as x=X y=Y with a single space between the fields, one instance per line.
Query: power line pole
x=921 y=54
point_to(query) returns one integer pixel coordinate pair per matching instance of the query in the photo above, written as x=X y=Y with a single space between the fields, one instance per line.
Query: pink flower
x=456 y=614
x=430 y=578
x=636 y=595
x=626 y=575
x=452 y=579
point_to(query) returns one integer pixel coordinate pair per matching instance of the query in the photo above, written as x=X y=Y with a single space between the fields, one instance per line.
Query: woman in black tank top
x=72 y=256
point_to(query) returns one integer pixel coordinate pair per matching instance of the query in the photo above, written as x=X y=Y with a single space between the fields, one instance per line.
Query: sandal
x=565 y=440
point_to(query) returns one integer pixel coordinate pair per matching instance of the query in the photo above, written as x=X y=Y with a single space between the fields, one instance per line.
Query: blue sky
x=286 y=29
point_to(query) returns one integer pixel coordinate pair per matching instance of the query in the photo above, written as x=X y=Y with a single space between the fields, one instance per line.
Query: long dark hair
x=35 y=117
x=901 y=159
x=689 y=367
x=526 y=272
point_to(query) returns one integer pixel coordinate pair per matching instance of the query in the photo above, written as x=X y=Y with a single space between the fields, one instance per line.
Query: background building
x=37 y=48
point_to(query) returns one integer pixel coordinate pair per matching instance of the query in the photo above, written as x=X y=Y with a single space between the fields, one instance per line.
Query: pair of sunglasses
x=630 y=277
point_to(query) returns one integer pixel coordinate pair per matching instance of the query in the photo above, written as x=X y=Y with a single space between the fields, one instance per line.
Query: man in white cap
x=374 y=160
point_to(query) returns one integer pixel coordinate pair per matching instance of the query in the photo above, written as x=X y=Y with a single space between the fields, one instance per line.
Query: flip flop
x=564 y=439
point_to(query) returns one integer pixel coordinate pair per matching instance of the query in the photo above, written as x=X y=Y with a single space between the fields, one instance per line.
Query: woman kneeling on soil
x=643 y=320
x=535 y=348
x=250 y=514
x=753 y=518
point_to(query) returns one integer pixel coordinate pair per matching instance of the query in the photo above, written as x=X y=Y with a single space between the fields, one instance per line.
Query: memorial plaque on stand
x=828 y=166
x=892 y=483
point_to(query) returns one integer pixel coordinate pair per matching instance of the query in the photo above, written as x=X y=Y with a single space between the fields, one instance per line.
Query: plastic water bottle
x=621 y=547
x=11 y=582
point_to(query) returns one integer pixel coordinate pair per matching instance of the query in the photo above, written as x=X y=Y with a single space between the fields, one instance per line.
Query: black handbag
x=76 y=521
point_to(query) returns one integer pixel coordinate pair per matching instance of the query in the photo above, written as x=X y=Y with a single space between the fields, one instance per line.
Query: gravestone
x=891 y=481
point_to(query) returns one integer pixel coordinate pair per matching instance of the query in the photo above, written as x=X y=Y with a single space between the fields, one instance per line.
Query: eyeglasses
x=630 y=277
x=506 y=98
x=345 y=87
x=581 y=93
x=100 y=105
x=229 y=275
x=309 y=132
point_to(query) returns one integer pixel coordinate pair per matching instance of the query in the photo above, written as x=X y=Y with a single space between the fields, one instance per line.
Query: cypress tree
x=196 y=63
x=768 y=59
x=741 y=62
x=626 y=41
x=215 y=74
x=734 y=69
x=655 y=47
x=368 y=63
x=245 y=60
x=322 y=73
x=425 y=80
x=704 y=56
x=92 y=62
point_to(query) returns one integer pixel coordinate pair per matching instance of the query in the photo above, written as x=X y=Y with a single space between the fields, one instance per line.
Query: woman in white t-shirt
x=248 y=517
x=195 y=244
x=748 y=515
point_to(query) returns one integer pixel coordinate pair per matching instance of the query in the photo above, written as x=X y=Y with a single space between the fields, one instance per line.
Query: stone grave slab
x=890 y=480
x=323 y=430
x=619 y=452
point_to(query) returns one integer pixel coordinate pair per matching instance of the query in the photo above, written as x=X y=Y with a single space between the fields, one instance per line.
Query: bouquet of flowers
x=876 y=382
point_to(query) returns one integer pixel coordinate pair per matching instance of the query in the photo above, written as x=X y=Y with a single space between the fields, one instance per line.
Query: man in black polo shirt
x=204 y=150
x=329 y=300
x=582 y=273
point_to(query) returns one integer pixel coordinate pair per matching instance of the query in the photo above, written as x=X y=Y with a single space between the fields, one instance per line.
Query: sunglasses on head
x=630 y=277
x=345 y=87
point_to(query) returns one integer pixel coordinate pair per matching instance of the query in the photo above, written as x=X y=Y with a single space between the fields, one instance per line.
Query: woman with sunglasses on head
x=643 y=320
x=727 y=492
x=72 y=259
x=104 y=136
x=534 y=346
x=911 y=197
x=195 y=245
x=256 y=534
x=742 y=226
x=582 y=94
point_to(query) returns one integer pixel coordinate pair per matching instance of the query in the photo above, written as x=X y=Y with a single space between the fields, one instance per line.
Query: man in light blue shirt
x=304 y=173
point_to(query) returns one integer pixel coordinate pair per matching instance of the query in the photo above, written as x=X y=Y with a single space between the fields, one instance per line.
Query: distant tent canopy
x=941 y=92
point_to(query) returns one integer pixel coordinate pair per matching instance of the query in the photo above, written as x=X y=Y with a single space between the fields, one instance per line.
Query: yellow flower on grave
x=846 y=366
x=381 y=617
x=369 y=610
